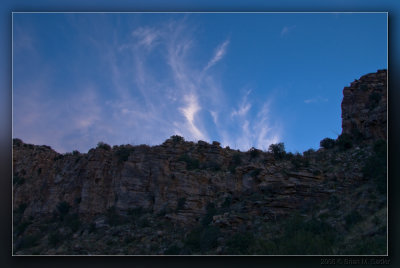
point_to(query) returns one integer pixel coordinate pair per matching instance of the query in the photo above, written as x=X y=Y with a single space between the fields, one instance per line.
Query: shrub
x=254 y=153
x=256 y=172
x=63 y=208
x=344 y=141
x=375 y=167
x=136 y=212
x=113 y=217
x=239 y=243
x=191 y=163
x=29 y=241
x=73 y=222
x=54 y=238
x=299 y=161
x=17 y=181
x=352 y=218
x=209 y=238
x=177 y=139
x=123 y=153
x=306 y=237
x=212 y=165
x=308 y=153
x=364 y=87
x=226 y=204
x=17 y=142
x=172 y=250
x=327 y=143
x=21 y=227
x=104 y=146
x=235 y=162
x=21 y=208
x=181 y=203
x=376 y=245
x=144 y=223
x=278 y=150
x=374 y=99
x=210 y=212
x=202 y=239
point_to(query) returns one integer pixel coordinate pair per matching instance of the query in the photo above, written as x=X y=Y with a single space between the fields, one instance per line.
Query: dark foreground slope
x=198 y=198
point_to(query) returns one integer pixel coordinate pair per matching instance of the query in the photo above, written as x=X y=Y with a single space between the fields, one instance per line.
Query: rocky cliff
x=198 y=198
x=364 y=107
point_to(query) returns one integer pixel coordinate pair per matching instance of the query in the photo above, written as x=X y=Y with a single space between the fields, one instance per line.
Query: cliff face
x=364 y=107
x=152 y=200
x=156 y=178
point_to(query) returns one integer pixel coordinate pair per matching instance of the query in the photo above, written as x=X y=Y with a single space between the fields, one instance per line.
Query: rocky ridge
x=364 y=109
x=198 y=198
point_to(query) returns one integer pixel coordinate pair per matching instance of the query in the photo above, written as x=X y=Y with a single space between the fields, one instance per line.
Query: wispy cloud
x=218 y=55
x=315 y=100
x=139 y=101
x=254 y=131
x=287 y=29
x=190 y=111
x=244 y=106
x=146 y=36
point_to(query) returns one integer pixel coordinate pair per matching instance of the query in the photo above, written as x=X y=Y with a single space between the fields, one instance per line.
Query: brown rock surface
x=152 y=178
x=364 y=107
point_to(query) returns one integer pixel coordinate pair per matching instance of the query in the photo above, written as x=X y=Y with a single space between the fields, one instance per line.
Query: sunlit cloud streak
x=153 y=90
x=219 y=54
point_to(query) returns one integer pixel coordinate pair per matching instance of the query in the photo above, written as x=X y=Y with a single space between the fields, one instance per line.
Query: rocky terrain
x=186 y=198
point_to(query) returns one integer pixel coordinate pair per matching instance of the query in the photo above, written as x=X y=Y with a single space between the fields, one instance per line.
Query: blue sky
x=244 y=79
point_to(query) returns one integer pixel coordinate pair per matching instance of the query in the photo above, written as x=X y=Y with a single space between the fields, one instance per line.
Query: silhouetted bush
x=278 y=150
x=239 y=243
x=18 y=180
x=327 y=143
x=21 y=208
x=306 y=237
x=172 y=250
x=123 y=153
x=344 y=141
x=212 y=165
x=299 y=161
x=256 y=172
x=136 y=212
x=226 y=204
x=72 y=221
x=63 y=208
x=309 y=153
x=55 y=238
x=104 y=146
x=191 y=163
x=374 y=99
x=352 y=218
x=210 y=212
x=17 y=142
x=177 y=139
x=21 y=227
x=254 y=153
x=113 y=218
x=364 y=87
x=181 y=203
x=28 y=241
x=235 y=162
x=202 y=239
x=375 y=167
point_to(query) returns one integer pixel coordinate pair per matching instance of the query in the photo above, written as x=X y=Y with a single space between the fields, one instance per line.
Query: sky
x=243 y=79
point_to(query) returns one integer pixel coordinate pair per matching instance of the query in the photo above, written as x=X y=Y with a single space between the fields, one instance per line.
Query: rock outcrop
x=364 y=107
x=156 y=178
x=198 y=198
